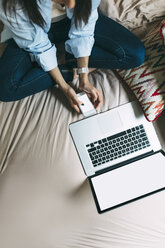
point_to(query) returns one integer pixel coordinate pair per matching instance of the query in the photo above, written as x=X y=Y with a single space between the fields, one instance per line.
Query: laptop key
x=92 y=149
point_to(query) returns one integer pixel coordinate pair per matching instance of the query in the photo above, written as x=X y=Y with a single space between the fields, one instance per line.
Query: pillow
x=148 y=80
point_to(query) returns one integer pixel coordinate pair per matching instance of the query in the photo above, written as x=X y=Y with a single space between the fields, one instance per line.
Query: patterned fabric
x=148 y=80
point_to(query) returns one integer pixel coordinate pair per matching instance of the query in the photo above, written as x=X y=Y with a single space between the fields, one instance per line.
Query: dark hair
x=82 y=10
x=30 y=6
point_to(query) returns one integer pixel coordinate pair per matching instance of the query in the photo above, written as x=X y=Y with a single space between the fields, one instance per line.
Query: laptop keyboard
x=118 y=145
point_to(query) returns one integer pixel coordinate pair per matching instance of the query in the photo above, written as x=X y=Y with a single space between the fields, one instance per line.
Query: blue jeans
x=115 y=47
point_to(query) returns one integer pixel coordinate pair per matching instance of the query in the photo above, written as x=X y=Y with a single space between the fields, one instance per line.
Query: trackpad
x=129 y=182
x=109 y=121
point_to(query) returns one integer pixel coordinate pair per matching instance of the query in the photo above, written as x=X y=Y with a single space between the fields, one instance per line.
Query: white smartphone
x=87 y=108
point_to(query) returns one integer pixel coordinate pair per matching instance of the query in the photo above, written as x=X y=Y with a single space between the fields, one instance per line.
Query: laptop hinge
x=113 y=167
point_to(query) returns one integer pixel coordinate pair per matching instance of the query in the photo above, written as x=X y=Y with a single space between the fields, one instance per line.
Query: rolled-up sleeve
x=35 y=41
x=47 y=59
x=81 y=39
x=40 y=49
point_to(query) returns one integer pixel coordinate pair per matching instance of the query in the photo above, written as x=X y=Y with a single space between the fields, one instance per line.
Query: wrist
x=82 y=70
x=63 y=86
x=58 y=78
x=83 y=77
x=83 y=80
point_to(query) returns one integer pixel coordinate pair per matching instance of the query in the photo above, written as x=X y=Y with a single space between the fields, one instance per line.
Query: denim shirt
x=34 y=39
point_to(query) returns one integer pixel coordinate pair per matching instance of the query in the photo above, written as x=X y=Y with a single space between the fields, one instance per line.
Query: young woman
x=29 y=63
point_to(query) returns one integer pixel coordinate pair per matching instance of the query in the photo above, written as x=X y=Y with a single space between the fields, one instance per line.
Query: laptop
x=120 y=154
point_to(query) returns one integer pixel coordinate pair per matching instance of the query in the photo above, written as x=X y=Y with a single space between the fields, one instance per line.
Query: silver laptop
x=118 y=150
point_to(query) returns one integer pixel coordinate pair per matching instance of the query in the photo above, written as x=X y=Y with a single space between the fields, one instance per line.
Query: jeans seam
x=38 y=78
x=21 y=86
x=28 y=82
x=12 y=75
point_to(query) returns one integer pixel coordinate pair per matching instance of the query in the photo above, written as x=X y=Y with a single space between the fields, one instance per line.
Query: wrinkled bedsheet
x=45 y=198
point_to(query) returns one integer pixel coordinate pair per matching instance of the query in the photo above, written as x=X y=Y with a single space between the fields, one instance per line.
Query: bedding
x=134 y=14
x=45 y=198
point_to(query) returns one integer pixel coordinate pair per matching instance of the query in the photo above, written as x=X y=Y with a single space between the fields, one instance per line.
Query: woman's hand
x=72 y=98
x=67 y=89
x=92 y=92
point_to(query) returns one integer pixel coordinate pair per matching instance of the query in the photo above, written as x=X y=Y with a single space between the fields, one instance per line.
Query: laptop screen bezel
x=124 y=203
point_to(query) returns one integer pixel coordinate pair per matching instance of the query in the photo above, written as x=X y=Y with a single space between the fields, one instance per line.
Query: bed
x=45 y=198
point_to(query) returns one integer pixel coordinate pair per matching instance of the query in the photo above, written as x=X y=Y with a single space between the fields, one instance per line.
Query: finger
x=99 y=97
x=75 y=103
x=76 y=108
x=99 y=100
x=89 y=96
x=73 y=97
x=94 y=95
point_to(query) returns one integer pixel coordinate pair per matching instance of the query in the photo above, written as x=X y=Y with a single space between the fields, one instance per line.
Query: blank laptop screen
x=130 y=181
